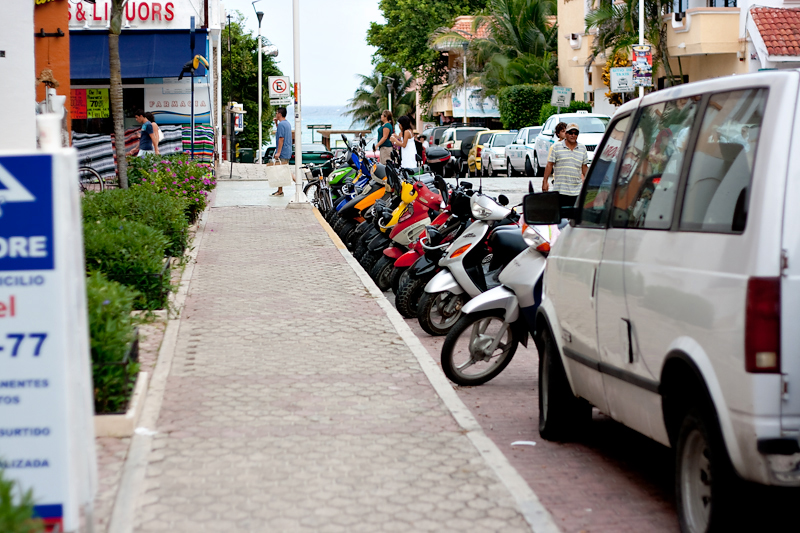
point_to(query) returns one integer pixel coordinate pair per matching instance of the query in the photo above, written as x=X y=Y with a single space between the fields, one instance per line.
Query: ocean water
x=333 y=115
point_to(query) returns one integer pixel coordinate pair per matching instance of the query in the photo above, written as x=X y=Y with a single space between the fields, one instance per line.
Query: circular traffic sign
x=279 y=86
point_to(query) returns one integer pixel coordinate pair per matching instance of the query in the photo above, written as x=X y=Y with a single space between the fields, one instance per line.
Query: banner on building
x=477 y=105
x=170 y=100
x=97 y=103
x=643 y=65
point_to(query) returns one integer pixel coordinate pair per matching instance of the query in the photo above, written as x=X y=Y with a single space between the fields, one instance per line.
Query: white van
x=672 y=299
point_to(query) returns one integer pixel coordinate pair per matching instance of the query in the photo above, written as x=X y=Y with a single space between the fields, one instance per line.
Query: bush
x=132 y=254
x=177 y=176
x=16 y=515
x=160 y=211
x=574 y=107
x=520 y=104
x=111 y=333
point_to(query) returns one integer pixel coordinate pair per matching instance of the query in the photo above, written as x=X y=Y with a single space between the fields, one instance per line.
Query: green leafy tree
x=617 y=28
x=403 y=41
x=240 y=79
x=16 y=508
x=372 y=97
x=520 y=105
x=519 y=48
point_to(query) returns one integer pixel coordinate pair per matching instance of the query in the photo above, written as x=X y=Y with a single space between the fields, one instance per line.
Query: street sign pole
x=298 y=127
x=260 y=15
x=641 y=36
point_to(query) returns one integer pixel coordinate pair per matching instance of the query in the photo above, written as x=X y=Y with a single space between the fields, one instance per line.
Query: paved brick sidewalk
x=293 y=405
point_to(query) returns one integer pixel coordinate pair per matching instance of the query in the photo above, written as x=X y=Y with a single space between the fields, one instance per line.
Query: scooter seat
x=506 y=243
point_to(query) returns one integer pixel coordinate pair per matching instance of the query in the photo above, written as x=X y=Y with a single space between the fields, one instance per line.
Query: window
x=647 y=183
x=717 y=190
x=533 y=133
x=503 y=139
x=594 y=213
x=721 y=3
x=483 y=138
x=588 y=124
x=463 y=133
x=549 y=125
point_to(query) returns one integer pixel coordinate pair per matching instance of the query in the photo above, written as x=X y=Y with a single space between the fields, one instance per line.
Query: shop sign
x=138 y=14
x=96 y=103
x=478 y=106
x=642 y=65
x=171 y=101
x=77 y=103
x=47 y=434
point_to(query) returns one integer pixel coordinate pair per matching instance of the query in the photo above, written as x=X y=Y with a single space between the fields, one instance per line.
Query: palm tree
x=372 y=97
x=617 y=28
x=118 y=115
x=519 y=48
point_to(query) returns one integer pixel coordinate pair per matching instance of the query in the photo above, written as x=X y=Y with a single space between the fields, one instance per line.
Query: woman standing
x=408 y=148
x=385 y=131
x=156 y=130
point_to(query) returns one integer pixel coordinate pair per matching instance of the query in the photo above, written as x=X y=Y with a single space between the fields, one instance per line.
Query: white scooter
x=484 y=340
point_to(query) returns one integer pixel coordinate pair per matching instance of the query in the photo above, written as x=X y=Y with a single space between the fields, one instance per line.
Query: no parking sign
x=279 y=86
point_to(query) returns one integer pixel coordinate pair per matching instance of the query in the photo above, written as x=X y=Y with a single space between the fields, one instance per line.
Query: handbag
x=279 y=175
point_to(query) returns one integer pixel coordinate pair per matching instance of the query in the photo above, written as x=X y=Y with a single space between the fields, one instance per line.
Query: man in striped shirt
x=571 y=162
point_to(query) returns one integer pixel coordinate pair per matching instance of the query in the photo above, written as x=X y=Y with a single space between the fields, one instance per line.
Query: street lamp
x=260 y=16
x=464 y=46
x=389 y=82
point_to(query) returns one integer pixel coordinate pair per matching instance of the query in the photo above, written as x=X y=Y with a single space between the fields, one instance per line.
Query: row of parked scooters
x=458 y=260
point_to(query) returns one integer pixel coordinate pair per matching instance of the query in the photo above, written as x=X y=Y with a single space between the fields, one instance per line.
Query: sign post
x=622 y=80
x=47 y=436
x=561 y=97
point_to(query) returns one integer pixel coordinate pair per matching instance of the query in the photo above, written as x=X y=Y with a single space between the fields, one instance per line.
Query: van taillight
x=762 y=336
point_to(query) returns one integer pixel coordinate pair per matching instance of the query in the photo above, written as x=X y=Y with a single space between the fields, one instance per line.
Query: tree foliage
x=403 y=41
x=520 y=104
x=240 y=79
x=372 y=97
x=574 y=106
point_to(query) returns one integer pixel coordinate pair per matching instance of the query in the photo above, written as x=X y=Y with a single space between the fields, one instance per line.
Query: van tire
x=562 y=415
x=704 y=476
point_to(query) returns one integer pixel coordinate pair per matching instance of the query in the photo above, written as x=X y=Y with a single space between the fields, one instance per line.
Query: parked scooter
x=485 y=338
x=470 y=265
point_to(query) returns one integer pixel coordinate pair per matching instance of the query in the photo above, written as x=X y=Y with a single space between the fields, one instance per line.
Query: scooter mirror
x=502 y=199
x=466 y=184
x=373 y=147
x=530 y=186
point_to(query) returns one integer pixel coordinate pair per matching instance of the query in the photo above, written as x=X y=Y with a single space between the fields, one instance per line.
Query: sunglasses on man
x=572 y=132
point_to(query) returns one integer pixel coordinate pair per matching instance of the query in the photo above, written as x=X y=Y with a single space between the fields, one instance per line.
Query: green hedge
x=520 y=105
x=160 y=211
x=574 y=106
x=16 y=507
x=111 y=333
x=130 y=253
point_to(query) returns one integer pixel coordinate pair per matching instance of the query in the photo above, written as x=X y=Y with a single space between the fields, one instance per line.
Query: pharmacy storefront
x=157 y=40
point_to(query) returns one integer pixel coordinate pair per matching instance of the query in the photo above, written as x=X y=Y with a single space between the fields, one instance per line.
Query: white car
x=493 y=155
x=519 y=154
x=672 y=299
x=452 y=137
x=591 y=125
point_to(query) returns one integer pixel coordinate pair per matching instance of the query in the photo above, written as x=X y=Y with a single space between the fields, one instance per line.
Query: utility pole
x=641 y=36
x=260 y=16
x=298 y=125
x=389 y=82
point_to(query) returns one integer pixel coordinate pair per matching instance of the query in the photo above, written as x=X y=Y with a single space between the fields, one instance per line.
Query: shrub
x=16 y=515
x=178 y=176
x=574 y=107
x=132 y=254
x=111 y=333
x=520 y=104
x=160 y=211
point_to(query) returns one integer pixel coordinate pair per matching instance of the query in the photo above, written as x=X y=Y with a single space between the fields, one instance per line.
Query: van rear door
x=790 y=281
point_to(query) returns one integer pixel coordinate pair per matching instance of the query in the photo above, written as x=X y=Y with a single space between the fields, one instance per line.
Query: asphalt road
x=514 y=188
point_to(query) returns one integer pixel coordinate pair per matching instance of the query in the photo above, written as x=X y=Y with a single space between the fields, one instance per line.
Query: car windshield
x=462 y=134
x=589 y=124
x=503 y=139
x=532 y=133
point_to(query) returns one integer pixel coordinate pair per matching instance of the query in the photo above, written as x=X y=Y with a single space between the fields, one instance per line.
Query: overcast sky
x=333 y=48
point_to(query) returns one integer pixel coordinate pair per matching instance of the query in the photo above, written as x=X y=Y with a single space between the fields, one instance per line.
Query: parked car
x=474 y=159
x=434 y=135
x=452 y=137
x=592 y=126
x=493 y=155
x=312 y=154
x=672 y=299
x=519 y=154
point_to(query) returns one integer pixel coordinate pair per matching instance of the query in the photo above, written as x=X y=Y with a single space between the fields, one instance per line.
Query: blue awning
x=143 y=54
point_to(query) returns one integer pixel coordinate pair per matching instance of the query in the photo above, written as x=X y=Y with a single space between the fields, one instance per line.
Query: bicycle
x=90 y=180
x=317 y=190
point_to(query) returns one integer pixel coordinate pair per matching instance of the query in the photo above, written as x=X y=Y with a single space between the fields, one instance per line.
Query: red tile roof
x=463 y=24
x=780 y=29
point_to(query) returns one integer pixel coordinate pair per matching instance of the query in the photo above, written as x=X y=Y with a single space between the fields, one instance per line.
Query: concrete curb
x=135 y=467
x=529 y=504
x=122 y=425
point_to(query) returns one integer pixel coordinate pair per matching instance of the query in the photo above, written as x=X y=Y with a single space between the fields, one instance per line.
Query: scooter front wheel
x=437 y=313
x=478 y=348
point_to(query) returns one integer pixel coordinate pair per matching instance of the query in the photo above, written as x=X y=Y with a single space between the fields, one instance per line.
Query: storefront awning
x=143 y=54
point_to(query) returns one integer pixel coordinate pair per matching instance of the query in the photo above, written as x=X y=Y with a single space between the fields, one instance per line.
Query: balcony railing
x=703 y=30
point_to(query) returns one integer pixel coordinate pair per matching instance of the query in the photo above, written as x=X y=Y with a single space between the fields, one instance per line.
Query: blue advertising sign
x=26 y=213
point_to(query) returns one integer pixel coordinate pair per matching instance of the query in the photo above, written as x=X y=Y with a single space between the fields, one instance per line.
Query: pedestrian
x=148 y=141
x=560 y=132
x=385 y=131
x=571 y=162
x=408 y=148
x=156 y=129
x=283 y=140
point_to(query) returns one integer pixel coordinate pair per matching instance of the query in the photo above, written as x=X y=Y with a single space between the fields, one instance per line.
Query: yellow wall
x=571 y=16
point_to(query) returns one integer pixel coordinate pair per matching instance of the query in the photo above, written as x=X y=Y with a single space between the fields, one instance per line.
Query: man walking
x=148 y=140
x=283 y=148
x=571 y=162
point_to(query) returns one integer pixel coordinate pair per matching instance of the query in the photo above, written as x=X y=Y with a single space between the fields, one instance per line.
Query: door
x=515 y=149
x=573 y=280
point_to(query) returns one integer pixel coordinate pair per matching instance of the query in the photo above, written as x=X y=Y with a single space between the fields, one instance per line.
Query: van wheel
x=562 y=415
x=489 y=169
x=529 y=172
x=537 y=170
x=509 y=169
x=704 y=478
